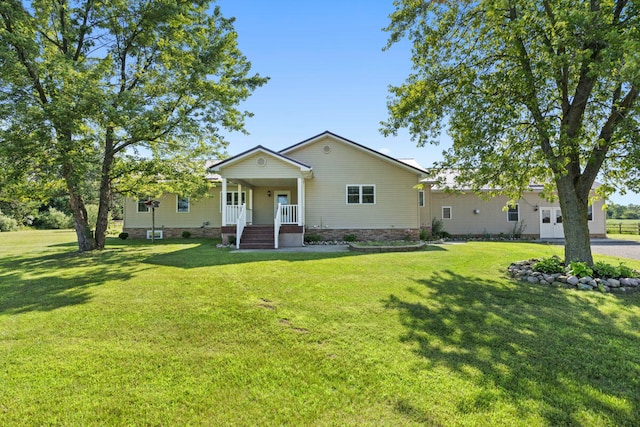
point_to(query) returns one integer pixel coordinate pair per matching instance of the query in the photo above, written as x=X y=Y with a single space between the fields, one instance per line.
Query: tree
x=90 y=87
x=543 y=90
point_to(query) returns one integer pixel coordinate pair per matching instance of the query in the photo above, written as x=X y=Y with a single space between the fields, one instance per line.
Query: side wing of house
x=356 y=190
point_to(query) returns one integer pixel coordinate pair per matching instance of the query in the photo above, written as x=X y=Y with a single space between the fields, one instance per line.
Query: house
x=328 y=187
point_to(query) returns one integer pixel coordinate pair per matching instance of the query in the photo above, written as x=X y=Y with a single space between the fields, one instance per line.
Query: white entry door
x=282 y=198
x=551 y=223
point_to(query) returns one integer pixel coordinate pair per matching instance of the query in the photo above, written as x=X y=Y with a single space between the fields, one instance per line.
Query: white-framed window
x=361 y=194
x=421 y=198
x=182 y=204
x=158 y=234
x=513 y=213
x=142 y=206
x=233 y=200
x=447 y=212
x=590 y=213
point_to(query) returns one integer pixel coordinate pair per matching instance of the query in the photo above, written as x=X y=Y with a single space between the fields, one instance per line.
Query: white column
x=300 y=201
x=224 y=201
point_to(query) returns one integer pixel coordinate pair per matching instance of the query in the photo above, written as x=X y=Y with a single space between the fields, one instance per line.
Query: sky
x=328 y=71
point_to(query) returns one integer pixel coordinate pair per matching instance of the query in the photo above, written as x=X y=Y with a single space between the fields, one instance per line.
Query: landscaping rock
x=573 y=280
x=613 y=283
x=585 y=279
x=585 y=287
x=532 y=279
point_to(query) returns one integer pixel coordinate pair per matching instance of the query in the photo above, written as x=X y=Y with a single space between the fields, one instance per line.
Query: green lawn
x=182 y=333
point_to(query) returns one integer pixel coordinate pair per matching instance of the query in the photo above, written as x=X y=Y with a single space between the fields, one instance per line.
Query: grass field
x=183 y=333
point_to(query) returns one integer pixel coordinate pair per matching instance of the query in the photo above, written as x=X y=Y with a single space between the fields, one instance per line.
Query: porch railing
x=289 y=213
x=241 y=222
x=277 y=222
x=233 y=213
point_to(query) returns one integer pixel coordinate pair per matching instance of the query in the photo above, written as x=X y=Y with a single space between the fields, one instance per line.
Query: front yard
x=183 y=333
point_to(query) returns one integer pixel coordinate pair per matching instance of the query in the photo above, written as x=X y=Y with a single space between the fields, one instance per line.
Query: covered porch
x=263 y=193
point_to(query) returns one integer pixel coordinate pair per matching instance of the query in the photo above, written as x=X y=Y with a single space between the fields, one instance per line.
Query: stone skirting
x=174 y=233
x=364 y=234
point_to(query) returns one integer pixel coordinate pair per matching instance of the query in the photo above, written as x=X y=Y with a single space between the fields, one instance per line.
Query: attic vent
x=261 y=161
x=326 y=149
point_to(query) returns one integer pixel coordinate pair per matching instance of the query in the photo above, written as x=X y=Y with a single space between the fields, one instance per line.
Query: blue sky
x=328 y=72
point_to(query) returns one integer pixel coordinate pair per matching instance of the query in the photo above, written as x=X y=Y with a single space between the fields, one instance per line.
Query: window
x=513 y=214
x=590 y=213
x=421 y=199
x=361 y=194
x=446 y=212
x=232 y=199
x=142 y=206
x=182 y=204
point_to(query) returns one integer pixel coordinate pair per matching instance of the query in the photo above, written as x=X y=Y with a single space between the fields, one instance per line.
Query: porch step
x=257 y=237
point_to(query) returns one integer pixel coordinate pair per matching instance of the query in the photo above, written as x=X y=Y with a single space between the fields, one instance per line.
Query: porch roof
x=305 y=169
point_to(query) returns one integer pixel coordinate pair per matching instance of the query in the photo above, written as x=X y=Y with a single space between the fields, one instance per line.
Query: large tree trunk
x=574 y=205
x=105 y=193
x=83 y=231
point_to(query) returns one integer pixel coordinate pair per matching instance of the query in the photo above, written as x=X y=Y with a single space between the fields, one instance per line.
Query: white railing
x=289 y=213
x=233 y=212
x=240 y=224
x=277 y=221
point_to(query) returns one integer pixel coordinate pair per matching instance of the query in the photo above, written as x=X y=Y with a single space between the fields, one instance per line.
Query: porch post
x=300 y=201
x=224 y=201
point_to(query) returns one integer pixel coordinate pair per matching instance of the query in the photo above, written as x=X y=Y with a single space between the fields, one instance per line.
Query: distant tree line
x=623 y=212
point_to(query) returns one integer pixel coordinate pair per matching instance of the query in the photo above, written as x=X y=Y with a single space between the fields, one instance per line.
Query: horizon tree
x=543 y=90
x=90 y=88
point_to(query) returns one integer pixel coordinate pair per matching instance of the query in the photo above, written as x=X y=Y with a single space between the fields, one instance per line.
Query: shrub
x=602 y=269
x=55 y=219
x=626 y=271
x=349 y=238
x=123 y=235
x=425 y=233
x=580 y=269
x=549 y=265
x=232 y=240
x=7 y=223
x=186 y=234
x=312 y=238
x=437 y=229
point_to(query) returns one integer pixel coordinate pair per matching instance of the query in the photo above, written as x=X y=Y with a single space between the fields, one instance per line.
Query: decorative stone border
x=523 y=271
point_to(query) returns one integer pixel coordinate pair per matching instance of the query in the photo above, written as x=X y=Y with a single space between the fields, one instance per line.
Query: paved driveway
x=617 y=248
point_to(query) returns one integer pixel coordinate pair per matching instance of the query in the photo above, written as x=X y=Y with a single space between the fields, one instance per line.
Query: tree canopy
x=542 y=91
x=88 y=88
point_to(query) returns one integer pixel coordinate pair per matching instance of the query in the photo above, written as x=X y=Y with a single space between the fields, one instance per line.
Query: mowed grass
x=183 y=333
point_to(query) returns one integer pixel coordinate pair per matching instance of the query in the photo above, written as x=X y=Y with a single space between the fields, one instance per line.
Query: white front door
x=551 y=223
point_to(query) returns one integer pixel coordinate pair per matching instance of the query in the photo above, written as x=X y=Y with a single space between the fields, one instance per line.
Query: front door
x=551 y=223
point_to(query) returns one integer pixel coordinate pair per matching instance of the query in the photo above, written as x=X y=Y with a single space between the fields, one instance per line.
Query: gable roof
x=260 y=149
x=413 y=167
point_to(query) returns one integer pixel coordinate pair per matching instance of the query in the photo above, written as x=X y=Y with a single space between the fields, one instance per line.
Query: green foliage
x=186 y=234
x=85 y=86
x=549 y=265
x=7 y=223
x=604 y=270
x=54 y=219
x=350 y=238
x=123 y=236
x=579 y=269
x=232 y=240
x=312 y=238
x=437 y=229
x=425 y=233
x=625 y=271
x=529 y=92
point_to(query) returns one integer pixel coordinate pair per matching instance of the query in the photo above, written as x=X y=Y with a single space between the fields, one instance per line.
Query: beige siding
x=248 y=168
x=396 y=201
x=491 y=217
x=201 y=210
x=264 y=206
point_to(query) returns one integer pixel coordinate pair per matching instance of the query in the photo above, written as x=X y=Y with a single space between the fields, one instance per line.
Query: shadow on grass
x=53 y=280
x=528 y=345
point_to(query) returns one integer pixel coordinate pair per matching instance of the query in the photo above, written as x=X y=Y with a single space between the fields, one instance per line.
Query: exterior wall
x=492 y=218
x=264 y=206
x=175 y=233
x=205 y=209
x=396 y=201
x=249 y=168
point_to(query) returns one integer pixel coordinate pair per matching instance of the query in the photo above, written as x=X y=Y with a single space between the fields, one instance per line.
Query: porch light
x=268 y=193
x=476 y=211
x=535 y=208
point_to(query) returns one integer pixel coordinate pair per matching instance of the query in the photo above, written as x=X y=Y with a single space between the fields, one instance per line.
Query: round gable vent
x=261 y=161
x=326 y=149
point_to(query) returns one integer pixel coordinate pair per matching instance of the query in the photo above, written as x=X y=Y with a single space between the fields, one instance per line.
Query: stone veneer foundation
x=368 y=234
x=174 y=233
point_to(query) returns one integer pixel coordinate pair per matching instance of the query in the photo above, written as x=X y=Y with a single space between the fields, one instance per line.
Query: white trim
x=138 y=200
x=421 y=200
x=450 y=213
x=517 y=207
x=178 y=204
x=360 y=194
